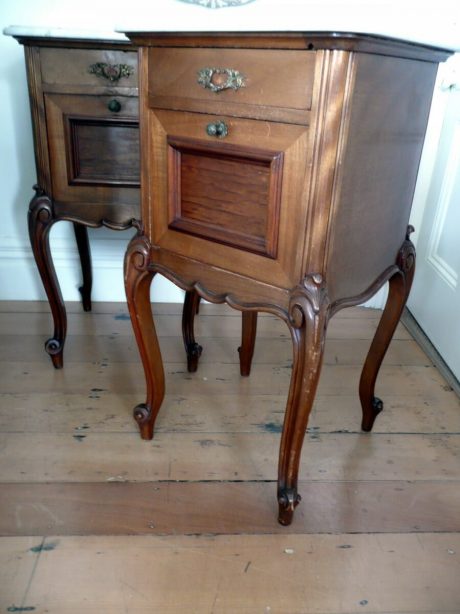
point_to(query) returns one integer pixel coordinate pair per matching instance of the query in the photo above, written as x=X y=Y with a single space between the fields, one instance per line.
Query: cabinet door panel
x=103 y=151
x=226 y=193
x=233 y=192
x=94 y=152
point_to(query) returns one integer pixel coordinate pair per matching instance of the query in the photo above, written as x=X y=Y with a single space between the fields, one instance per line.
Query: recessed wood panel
x=225 y=193
x=102 y=151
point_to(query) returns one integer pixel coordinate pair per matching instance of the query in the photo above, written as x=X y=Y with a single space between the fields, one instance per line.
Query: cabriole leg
x=248 y=340
x=81 y=236
x=192 y=348
x=138 y=279
x=399 y=288
x=308 y=313
x=40 y=220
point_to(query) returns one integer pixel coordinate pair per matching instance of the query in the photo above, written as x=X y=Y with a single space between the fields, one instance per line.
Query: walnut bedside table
x=277 y=175
x=84 y=103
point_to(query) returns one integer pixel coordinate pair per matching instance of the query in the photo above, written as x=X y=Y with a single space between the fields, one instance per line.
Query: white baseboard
x=378 y=300
x=21 y=281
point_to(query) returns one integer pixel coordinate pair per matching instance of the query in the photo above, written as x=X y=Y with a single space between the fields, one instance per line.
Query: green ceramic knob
x=114 y=106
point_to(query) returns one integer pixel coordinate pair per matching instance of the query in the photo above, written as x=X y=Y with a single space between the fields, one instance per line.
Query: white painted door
x=435 y=297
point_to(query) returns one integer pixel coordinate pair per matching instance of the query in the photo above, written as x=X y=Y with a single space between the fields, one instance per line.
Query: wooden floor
x=95 y=521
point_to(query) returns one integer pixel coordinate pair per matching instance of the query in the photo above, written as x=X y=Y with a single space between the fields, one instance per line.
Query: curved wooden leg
x=308 y=314
x=400 y=285
x=192 y=348
x=40 y=220
x=248 y=340
x=138 y=278
x=81 y=236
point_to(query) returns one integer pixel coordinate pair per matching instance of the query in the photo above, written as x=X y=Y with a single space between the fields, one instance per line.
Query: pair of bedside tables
x=277 y=174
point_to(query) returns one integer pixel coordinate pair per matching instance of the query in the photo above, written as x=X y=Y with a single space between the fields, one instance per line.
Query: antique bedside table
x=277 y=175
x=84 y=103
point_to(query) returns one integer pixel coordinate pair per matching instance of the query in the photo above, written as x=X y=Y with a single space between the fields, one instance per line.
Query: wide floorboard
x=94 y=520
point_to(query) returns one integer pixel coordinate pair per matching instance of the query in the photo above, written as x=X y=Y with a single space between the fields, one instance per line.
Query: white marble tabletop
x=424 y=21
x=428 y=22
x=52 y=32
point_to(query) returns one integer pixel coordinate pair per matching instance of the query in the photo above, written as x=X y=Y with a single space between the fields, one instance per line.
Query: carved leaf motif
x=308 y=299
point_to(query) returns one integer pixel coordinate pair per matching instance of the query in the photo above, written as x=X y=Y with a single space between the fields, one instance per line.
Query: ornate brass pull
x=111 y=72
x=219 y=129
x=219 y=79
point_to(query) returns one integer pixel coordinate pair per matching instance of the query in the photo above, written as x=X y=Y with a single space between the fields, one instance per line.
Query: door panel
x=233 y=192
x=94 y=152
x=226 y=193
x=435 y=297
x=102 y=151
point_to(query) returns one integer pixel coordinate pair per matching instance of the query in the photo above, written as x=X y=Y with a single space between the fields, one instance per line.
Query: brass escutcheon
x=112 y=72
x=219 y=79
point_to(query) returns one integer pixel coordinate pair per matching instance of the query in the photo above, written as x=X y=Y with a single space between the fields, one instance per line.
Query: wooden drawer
x=87 y=67
x=274 y=84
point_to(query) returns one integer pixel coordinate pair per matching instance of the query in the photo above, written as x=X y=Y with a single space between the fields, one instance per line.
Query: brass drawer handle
x=114 y=106
x=111 y=72
x=219 y=129
x=219 y=79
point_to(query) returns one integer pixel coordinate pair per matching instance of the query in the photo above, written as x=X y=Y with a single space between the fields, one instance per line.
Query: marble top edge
x=119 y=33
x=74 y=33
x=339 y=35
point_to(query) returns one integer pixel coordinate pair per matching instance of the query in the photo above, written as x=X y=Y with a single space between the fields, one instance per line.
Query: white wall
x=19 y=279
x=435 y=22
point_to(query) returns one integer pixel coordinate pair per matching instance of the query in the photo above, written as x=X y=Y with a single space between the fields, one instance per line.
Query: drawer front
x=94 y=151
x=256 y=83
x=89 y=67
x=228 y=200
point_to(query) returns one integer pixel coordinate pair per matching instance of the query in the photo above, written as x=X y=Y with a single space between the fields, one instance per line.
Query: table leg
x=399 y=287
x=81 y=236
x=308 y=313
x=248 y=341
x=138 y=278
x=40 y=220
x=192 y=348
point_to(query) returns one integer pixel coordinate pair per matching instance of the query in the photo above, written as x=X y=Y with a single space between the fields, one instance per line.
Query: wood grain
x=248 y=574
x=222 y=507
x=176 y=72
x=102 y=457
x=379 y=510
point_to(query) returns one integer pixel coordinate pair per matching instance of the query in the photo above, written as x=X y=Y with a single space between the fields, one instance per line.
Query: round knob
x=218 y=129
x=114 y=106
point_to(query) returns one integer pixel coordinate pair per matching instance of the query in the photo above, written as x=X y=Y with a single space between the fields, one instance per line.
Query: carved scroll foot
x=40 y=220
x=288 y=500
x=81 y=236
x=138 y=278
x=370 y=416
x=308 y=315
x=143 y=416
x=248 y=341
x=399 y=287
x=192 y=348
x=54 y=348
x=193 y=351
